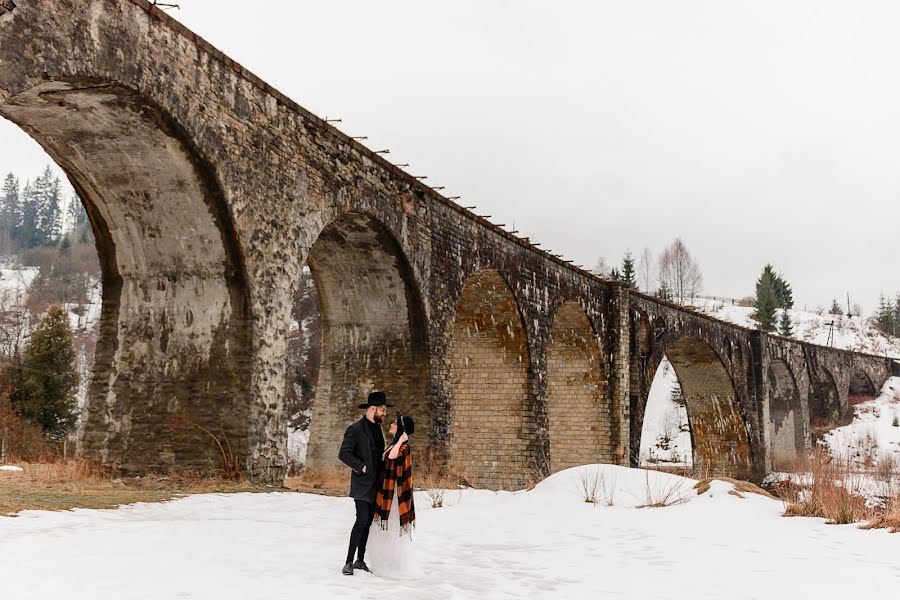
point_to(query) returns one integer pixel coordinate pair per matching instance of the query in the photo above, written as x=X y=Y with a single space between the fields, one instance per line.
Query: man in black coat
x=362 y=450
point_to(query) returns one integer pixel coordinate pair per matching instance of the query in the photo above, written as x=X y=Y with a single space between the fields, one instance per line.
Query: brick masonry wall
x=578 y=405
x=489 y=373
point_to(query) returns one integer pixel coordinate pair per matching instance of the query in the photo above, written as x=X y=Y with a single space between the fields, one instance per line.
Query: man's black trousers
x=365 y=512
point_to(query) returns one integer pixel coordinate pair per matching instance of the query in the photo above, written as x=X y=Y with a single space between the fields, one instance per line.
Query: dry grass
x=71 y=484
x=834 y=493
x=886 y=518
x=325 y=482
x=662 y=493
x=435 y=477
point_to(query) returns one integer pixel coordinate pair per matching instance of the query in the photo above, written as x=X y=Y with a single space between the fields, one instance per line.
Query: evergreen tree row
x=887 y=316
x=32 y=215
x=773 y=293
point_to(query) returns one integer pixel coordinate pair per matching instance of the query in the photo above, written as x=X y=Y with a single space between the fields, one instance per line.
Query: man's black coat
x=363 y=445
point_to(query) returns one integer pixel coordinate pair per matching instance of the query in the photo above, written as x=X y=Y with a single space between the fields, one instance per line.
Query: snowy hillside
x=874 y=432
x=544 y=543
x=848 y=333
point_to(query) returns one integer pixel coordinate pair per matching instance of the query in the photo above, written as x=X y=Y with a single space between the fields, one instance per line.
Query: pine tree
x=77 y=215
x=884 y=317
x=664 y=292
x=615 y=275
x=836 y=308
x=27 y=234
x=896 y=315
x=47 y=196
x=785 y=326
x=628 y=274
x=767 y=301
x=10 y=213
x=45 y=390
x=783 y=292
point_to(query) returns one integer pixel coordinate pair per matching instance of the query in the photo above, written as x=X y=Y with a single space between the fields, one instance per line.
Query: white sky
x=758 y=131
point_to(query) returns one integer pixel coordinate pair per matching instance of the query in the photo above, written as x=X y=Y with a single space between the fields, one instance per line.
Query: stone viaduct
x=209 y=191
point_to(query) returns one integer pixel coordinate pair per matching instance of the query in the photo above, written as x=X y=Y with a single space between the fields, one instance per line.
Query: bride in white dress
x=390 y=550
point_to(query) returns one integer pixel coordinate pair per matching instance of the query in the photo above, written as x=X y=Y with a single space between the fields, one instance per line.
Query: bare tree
x=601 y=268
x=646 y=271
x=679 y=273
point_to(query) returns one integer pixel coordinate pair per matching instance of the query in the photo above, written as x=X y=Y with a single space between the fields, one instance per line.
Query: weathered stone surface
x=208 y=192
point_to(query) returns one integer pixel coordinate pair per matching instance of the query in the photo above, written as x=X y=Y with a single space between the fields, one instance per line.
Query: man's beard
x=378 y=418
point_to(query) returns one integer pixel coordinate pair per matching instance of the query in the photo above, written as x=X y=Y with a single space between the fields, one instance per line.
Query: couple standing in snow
x=382 y=489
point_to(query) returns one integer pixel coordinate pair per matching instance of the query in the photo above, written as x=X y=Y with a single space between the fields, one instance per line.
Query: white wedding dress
x=388 y=553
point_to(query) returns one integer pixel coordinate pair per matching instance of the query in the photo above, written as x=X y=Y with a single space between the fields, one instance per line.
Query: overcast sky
x=758 y=131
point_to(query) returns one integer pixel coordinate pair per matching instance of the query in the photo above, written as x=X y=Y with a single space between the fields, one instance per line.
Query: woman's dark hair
x=409 y=427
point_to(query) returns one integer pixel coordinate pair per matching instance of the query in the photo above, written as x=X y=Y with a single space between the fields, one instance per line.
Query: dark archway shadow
x=171 y=374
x=374 y=333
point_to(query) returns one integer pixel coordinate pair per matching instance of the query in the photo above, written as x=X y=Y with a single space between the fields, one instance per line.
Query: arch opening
x=373 y=334
x=665 y=440
x=787 y=436
x=825 y=411
x=861 y=389
x=491 y=419
x=171 y=371
x=578 y=406
x=719 y=440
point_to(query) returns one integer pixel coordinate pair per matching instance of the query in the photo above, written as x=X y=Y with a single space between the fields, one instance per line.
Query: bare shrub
x=21 y=440
x=433 y=475
x=231 y=463
x=590 y=482
x=664 y=492
x=608 y=489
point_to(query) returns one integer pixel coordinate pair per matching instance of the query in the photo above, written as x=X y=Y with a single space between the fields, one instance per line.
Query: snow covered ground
x=666 y=436
x=546 y=543
x=874 y=431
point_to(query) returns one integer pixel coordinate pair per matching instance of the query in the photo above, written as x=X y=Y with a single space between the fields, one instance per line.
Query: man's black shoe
x=361 y=564
x=348 y=569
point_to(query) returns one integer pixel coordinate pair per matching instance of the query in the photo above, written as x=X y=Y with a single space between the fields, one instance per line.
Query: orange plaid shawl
x=397 y=476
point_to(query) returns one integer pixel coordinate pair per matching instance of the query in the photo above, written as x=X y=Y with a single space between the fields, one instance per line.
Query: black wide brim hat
x=375 y=399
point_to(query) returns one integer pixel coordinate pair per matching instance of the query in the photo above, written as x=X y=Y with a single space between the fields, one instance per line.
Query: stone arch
x=172 y=365
x=825 y=400
x=490 y=411
x=861 y=388
x=374 y=333
x=578 y=406
x=787 y=437
x=718 y=431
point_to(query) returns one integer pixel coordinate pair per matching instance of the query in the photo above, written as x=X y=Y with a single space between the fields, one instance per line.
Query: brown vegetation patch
x=834 y=492
x=79 y=484
x=325 y=482
x=741 y=487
